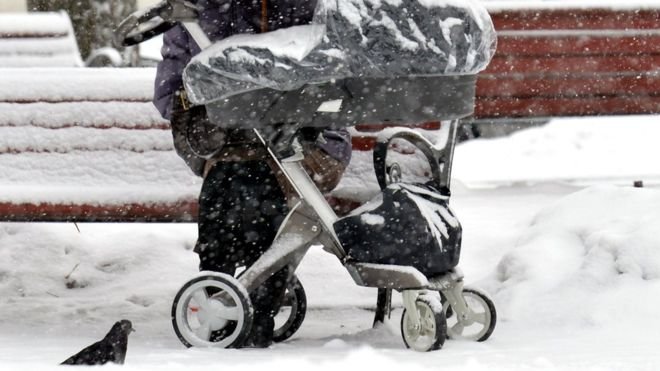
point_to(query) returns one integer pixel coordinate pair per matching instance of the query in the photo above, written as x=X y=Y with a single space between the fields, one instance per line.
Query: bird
x=112 y=348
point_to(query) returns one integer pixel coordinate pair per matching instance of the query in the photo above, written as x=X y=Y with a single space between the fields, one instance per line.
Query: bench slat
x=177 y=211
x=521 y=86
x=572 y=64
x=181 y=211
x=40 y=140
x=35 y=24
x=26 y=85
x=567 y=19
x=547 y=107
x=100 y=115
x=579 y=42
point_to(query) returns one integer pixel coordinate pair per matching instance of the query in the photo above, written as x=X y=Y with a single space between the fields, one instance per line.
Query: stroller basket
x=350 y=101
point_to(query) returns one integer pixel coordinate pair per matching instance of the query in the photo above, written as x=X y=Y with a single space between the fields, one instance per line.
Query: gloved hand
x=310 y=134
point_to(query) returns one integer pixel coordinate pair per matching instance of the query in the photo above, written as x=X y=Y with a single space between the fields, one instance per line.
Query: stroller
x=362 y=61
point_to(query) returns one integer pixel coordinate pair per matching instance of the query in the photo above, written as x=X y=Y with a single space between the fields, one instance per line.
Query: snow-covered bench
x=38 y=39
x=46 y=39
x=86 y=144
x=557 y=58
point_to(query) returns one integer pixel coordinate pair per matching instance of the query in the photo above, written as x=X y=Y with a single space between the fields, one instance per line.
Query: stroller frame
x=311 y=218
x=310 y=222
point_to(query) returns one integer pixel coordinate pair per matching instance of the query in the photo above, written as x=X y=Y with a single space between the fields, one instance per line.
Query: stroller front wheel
x=212 y=310
x=431 y=331
x=479 y=321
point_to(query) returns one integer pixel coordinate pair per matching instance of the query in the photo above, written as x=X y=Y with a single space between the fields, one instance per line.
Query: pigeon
x=112 y=348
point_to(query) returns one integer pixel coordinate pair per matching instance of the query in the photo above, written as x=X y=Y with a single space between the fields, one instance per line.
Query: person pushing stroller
x=242 y=202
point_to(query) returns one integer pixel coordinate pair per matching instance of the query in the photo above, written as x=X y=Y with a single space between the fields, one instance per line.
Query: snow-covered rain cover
x=349 y=38
x=408 y=224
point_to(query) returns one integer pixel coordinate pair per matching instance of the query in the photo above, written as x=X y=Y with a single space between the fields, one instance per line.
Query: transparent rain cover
x=349 y=38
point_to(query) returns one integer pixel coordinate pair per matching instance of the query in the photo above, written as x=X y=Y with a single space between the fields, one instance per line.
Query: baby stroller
x=360 y=61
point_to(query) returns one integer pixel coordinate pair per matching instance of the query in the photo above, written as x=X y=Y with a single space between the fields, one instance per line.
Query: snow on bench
x=38 y=39
x=86 y=144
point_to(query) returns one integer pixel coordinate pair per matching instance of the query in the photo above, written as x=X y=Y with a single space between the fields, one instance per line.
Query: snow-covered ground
x=553 y=230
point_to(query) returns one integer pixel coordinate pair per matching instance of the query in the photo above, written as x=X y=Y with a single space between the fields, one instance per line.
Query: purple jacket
x=223 y=18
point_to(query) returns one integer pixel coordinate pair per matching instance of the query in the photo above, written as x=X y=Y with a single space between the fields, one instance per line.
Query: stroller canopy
x=348 y=39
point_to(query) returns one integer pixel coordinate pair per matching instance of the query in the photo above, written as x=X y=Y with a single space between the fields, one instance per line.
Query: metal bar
x=448 y=155
x=292 y=242
x=197 y=34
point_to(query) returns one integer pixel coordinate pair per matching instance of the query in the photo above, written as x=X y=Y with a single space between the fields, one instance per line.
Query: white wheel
x=431 y=333
x=476 y=325
x=198 y=317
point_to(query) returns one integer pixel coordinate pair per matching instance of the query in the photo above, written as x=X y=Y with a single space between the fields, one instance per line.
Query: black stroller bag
x=410 y=225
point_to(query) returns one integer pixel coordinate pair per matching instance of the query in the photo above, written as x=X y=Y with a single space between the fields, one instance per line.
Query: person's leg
x=241 y=208
x=219 y=222
x=267 y=300
x=217 y=226
x=263 y=212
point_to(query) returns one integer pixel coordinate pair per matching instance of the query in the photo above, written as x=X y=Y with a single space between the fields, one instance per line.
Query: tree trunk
x=93 y=20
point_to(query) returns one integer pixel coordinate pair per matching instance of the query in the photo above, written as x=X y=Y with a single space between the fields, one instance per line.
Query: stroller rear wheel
x=292 y=313
x=210 y=303
x=431 y=331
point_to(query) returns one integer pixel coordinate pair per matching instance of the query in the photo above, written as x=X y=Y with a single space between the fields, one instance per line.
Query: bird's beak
x=132 y=330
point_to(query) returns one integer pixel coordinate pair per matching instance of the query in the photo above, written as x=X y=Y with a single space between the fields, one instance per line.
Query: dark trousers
x=241 y=208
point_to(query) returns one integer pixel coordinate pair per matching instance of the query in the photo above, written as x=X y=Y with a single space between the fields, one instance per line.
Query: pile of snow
x=574 y=150
x=591 y=259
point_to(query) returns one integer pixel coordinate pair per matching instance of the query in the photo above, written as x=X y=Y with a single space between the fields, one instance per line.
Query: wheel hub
x=209 y=313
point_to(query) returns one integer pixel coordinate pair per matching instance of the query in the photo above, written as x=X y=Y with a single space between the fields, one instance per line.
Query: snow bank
x=575 y=150
x=591 y=259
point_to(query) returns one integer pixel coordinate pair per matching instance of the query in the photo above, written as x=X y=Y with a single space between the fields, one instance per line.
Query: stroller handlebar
x=143 y=25
x=438 y=157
